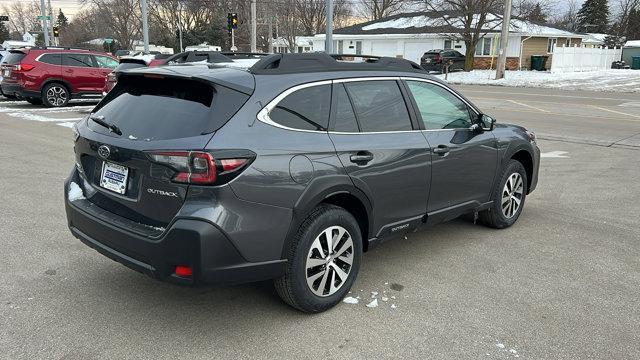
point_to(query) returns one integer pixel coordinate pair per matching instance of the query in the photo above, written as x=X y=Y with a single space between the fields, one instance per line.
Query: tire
x=513 y=185
x=308 y=250
x=10 y=97
x=55 y=95
x=34 y=101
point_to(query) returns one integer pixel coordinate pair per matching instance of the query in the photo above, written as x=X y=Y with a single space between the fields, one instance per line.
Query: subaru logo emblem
x=104 y=151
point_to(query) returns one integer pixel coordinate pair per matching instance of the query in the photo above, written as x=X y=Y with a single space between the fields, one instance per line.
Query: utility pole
x=254 y=47
x=504 y=40
x=328 y=41
x=51 y=23
x=45 y=26
x=180 y=25
x=270 y=34
x=145 y=26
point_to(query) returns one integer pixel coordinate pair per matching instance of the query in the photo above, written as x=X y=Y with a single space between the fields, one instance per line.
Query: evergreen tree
x=62 y=20
x=4 y=32
x=593 y=16
x=633 y=30
x=537 y=15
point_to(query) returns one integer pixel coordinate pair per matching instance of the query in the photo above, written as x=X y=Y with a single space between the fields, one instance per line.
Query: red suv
x=53 y=76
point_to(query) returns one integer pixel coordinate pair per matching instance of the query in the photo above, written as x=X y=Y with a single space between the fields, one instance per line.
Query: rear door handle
x=361 y=157
x=441 y=150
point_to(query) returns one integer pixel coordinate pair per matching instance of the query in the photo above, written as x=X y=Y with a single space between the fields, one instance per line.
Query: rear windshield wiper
x=99 y=119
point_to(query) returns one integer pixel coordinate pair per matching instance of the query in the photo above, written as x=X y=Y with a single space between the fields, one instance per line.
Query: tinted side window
x=53 y=59
x=79 y=60
x=344 y=117
x=305 y=109
x=379 y=105
x=438 y=107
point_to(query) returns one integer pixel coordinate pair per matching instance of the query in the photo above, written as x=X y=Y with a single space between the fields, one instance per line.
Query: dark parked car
x=52 y=76
x=287 y=171
x=435 y=60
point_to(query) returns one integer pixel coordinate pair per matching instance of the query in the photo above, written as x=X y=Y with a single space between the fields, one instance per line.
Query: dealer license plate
x=114 y=177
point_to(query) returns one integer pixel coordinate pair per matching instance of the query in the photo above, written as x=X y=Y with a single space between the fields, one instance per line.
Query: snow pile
x=75 y=192
x=350 y=300
x=604 y=80
x=632 y=43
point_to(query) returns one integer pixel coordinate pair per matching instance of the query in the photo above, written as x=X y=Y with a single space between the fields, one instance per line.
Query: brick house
x=409 y=35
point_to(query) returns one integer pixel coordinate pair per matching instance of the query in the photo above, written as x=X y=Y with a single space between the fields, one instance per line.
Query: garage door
x=384 y=47
x=413 y=50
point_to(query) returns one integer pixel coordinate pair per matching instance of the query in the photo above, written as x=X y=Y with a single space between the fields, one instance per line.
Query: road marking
x=630 y=104
x=507 y=92
x=554 y=154
x=529 y=106
x=614 y=111
x=565 y=114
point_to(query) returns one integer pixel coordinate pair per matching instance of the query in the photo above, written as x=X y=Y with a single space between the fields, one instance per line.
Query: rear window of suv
x=14 y=57
x=166 y=108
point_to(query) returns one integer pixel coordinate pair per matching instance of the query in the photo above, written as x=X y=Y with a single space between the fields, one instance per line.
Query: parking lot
x=562 y=283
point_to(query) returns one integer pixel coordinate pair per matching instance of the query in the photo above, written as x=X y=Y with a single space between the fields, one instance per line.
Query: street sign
x=108 y=41
x=4 y=18
x=40 y=17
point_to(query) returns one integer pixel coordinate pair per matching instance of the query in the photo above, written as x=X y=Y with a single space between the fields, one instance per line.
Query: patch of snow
x=131 y=137
x=36 y=117
x=350 y=300
x=68 y=124
x=554 y=154
x=393 y=306
x=75 y=192
x=374 y=294
x=603 y=80
x=384 y=298
x=513 y=351
x=500 y=345
x=373 y=303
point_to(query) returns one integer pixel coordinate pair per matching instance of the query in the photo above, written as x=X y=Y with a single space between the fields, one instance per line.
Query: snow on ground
x=604 y=80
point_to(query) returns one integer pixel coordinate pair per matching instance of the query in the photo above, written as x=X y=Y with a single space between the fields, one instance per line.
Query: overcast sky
x=71 y=7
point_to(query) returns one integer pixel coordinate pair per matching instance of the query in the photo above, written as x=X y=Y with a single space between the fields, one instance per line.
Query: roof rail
x=58 y=48
x=244 y=55
x=317 y=62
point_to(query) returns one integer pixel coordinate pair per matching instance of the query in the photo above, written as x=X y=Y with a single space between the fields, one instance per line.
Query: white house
x=410 y=35
x=303 y=44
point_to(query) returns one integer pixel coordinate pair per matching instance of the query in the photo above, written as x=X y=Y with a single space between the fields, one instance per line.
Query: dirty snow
x=373 y=303
x=603 y=80
x=350 y=300
x=75 y=192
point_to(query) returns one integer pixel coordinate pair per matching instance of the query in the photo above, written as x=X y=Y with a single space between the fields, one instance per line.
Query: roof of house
x=445 y=22
x=632 y=43
x=594 y=38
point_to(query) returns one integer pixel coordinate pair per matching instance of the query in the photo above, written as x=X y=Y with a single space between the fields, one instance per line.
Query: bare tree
x=624 y=10
x=312 y=14
x=123 y=19
x=468 y=20
x=22 y=16
x=567 y=20
x=377 y=9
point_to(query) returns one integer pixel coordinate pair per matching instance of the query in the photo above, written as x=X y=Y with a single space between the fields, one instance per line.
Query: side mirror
x=486 y=121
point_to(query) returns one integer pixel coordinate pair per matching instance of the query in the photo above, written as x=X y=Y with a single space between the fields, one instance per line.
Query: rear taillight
x=23 y=67
x=198 y=167
x=438 y=58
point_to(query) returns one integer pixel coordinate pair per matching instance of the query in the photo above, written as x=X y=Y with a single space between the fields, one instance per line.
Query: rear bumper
x=193 y=242
x=431 y=66
x=18 y=91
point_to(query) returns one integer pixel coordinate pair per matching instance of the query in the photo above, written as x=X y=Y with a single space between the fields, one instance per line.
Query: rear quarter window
x=304 y=109
x=167 y=108
x=14 y=58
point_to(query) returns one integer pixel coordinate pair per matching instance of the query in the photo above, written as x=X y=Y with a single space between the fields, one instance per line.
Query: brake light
x=23 y=67
x=198 y=167
x=184 y=271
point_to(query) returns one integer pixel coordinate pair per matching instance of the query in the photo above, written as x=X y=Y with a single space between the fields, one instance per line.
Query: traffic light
x=232 y=22
x=56 y=31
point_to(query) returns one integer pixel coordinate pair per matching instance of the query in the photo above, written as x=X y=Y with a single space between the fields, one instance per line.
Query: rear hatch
x=431 y=57
x=11 y=66
x=127 y=146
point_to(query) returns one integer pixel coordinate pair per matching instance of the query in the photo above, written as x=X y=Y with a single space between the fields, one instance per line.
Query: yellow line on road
x=614 y=111
x=529 y=106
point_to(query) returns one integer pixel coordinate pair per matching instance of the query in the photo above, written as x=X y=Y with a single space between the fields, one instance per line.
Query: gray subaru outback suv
x=289 y=170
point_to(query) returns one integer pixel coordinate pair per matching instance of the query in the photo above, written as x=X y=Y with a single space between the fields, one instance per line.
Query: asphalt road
x=563 y=283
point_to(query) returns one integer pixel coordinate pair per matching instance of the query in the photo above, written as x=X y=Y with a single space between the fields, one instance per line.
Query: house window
x=551 y=45
x=447 y=44
x=483 y=48
x=338 y=46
